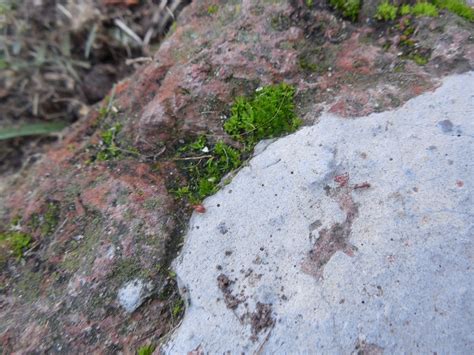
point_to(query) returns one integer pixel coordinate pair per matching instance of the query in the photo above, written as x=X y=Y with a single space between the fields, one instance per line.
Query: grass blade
x=31 y=129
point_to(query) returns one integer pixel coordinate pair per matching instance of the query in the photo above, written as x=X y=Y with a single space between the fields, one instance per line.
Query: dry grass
x=57 y=57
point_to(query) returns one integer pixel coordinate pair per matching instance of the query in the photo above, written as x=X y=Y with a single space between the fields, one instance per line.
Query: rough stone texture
x=356 y=235
x=116 y=220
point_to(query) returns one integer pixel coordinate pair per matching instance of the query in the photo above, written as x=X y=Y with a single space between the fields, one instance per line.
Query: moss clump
x=418 y=59
x=13 y=243
x=146 y=350
x=405 y=10
x=424 y=9
x=178 y=308
x=205 y=165
x=458 y=7
x=108 y=148
x=386 y=12
x=212 y=9
x=348 y=8
x=269 y=113
x=307 y=65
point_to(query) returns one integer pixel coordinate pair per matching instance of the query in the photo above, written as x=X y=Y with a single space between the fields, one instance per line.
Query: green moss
x=205 y=165
x=405 y=10
x=212 y=9
x=178 y=308
x=146 y=350
x=309 y=3
x=349 y=8
x=306 y=65
x=424 y=9
x=108 y=147
x=386 y=12
x=458 y=7
x=269 y=113
x=418 y=59
x=13 y=243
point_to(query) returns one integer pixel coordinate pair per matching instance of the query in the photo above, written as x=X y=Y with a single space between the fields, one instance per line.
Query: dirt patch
x=224 y=284
x=261 y=319
x=364 y=348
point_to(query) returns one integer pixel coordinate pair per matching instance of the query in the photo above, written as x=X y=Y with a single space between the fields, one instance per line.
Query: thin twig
x=194 y=158
x=138 y=60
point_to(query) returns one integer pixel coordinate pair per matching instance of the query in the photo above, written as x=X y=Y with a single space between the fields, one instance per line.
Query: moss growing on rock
x=386 y=12
x=269 y=113
x=13 y=243
x=212 y=9
x=349 y=8
x=146 y=350
x=424 y=9
x=108 y=147
x=458 y=7
x=205 y=165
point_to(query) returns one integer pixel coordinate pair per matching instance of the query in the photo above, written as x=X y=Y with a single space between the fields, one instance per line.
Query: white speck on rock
x=132 y=294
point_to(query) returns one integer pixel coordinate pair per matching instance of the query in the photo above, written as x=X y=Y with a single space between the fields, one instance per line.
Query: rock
x=63 y=295
x=346 y=236
x=133 y=294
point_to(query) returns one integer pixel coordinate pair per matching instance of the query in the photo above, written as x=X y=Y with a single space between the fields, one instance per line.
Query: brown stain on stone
x=336 y=237
x=261 y=319
x=364 y=348
x=224 y=284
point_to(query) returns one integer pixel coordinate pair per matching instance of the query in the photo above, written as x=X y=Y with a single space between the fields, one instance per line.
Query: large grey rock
x=350 y=235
